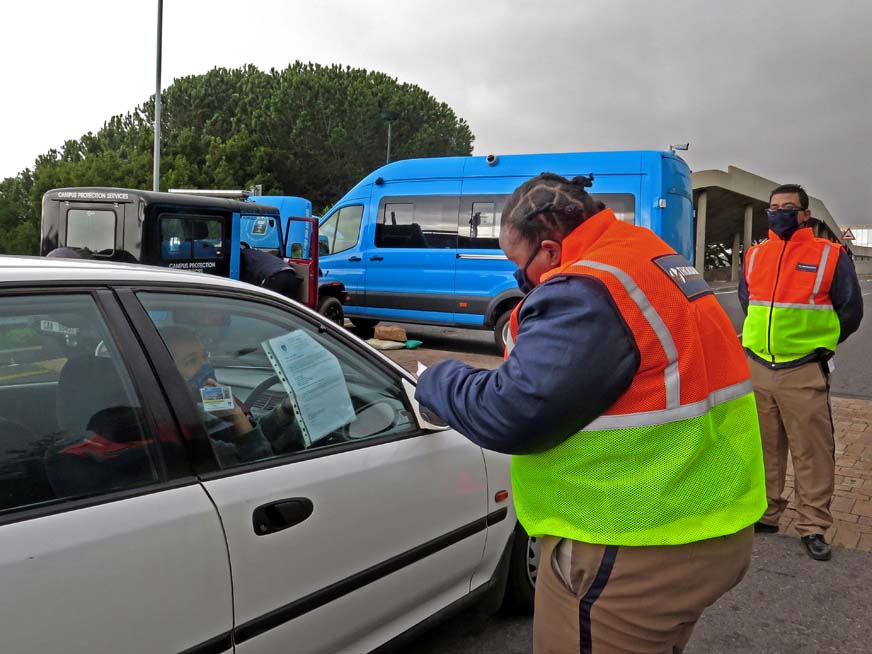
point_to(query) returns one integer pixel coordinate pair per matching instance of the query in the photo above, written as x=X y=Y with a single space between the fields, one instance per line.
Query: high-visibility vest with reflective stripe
x=790 y=314
x=677 y=458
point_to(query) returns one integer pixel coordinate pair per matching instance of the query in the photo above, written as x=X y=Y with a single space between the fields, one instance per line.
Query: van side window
x=190 y=237
x=623 y=204
x=341 y=231
x=479 y=223
x=417 y=222
x=260 y=232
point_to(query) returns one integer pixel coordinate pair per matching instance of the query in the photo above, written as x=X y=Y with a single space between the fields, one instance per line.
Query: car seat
x=101 y=445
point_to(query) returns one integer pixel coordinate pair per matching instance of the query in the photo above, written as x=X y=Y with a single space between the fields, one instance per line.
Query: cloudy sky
x=782 y=88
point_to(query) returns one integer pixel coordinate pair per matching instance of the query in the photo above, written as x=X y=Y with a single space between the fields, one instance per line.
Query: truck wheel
x=501 y=330
x=523 y=568
x=331 y=308
x=363 y=327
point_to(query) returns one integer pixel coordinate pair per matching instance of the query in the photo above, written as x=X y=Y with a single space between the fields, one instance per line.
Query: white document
x=313 y=378
x=421 y=368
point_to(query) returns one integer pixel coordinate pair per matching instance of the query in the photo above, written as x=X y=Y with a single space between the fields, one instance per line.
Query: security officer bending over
x=626 y=403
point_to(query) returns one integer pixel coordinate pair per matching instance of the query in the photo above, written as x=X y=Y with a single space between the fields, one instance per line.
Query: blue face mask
x=520 y=274
x=783 y=222
x=204 y=373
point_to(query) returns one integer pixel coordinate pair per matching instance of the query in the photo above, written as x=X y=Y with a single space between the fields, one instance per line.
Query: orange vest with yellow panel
x=790 y=314
x=677 y=458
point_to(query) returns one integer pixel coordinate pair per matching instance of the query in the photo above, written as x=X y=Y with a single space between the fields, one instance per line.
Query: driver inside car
x=236 y=437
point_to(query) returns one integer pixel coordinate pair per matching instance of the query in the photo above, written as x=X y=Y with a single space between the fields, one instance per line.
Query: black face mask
x=783 y=222
x=521 y=273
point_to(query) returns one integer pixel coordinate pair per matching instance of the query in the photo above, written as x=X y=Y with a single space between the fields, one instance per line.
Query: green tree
x=307 y=130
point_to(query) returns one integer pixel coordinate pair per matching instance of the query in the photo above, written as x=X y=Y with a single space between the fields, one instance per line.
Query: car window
x=70 y=423
x=268 y=383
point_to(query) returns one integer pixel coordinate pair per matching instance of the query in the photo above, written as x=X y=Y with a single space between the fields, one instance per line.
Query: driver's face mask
x=198 y=380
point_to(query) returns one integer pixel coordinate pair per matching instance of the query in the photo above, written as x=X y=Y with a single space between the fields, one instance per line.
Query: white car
x=166 y=486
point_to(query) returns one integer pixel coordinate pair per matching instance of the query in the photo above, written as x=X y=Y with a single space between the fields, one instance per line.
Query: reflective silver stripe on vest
x=791 y=305
x=820 y=274
x=510 y=341
x=664 y=416
x=751 y=261
x=671 y=377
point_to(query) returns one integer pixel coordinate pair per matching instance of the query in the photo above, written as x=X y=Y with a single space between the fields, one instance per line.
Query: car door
x=108 y=542
x=345 y=537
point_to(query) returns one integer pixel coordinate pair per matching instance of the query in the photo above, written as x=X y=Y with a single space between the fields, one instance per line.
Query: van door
x=341 y=252
x=410 y=269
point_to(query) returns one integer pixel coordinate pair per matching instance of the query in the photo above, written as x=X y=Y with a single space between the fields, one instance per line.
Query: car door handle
x=355 y=258
x=376 y=258
x=276 y=516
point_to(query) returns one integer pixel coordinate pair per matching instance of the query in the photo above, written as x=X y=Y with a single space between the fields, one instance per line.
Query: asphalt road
x=786 y=603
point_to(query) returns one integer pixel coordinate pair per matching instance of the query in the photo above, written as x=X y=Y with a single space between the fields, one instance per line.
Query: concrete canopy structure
x=731 y=210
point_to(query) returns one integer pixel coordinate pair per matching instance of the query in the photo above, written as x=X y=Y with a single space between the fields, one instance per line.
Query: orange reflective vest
x=790 y=314
x=677 y=458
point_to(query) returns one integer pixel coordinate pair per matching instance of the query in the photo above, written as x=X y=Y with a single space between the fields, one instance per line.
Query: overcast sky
x=781 y=88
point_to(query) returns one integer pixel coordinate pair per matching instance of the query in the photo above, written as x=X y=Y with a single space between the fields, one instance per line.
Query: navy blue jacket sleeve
x=846 y=295
x=743 y=291
x=573 y=358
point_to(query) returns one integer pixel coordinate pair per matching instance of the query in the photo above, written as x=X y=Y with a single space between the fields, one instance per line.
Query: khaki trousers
x=598 y=599
x=793 y=405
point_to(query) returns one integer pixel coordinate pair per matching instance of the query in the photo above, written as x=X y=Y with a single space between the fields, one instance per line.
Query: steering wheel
x=343 y=433
x=261 y=389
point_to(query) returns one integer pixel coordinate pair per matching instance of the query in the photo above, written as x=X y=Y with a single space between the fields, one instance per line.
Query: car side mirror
x=427 y=420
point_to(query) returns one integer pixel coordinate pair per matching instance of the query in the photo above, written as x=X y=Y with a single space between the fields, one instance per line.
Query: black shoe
x=763 y=528
x=817 y=547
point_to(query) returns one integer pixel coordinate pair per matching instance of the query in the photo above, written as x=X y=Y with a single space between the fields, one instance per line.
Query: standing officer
x=802 y=297
x=626 y=401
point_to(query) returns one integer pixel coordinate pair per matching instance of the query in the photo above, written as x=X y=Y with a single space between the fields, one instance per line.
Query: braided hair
x=549 y=207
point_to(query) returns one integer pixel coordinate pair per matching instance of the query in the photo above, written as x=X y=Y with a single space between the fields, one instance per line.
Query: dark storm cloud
x=782 y=89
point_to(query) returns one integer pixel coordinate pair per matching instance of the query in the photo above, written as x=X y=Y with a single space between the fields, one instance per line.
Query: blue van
x=417 y=240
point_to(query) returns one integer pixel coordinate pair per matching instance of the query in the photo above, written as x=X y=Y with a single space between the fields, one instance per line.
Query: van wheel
x=523 y=569
x=501 y=331
x=363 y=327
x=331 y=308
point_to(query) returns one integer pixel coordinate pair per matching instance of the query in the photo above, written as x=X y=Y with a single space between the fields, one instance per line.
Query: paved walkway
x=852 y=504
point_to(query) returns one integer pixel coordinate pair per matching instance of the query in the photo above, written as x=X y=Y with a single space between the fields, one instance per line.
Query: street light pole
x=156 y=173
x=389 y=117
x=388 y=159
